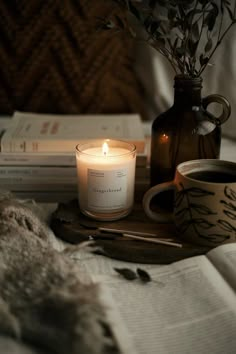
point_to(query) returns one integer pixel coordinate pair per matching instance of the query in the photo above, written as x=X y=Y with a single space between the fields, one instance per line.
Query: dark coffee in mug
x=213 y=176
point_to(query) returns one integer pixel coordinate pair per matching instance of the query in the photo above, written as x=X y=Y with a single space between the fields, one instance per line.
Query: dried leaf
x=195 y=31
x=143 y=275
x=208 y=46
x=180 y=51
x=230 y=12
x=127 y=273
x=203 y=60
x=211 y=17
x=192 y=46
x=186 y=23
x=172 y=12
x=119 y=21
x=153 y=28
x=147 y=22
x=134 y=10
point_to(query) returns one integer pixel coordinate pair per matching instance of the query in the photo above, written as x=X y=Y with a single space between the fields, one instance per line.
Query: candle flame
x=105 y=149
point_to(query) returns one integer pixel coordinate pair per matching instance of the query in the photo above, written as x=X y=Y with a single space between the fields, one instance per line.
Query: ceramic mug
x=204 y=204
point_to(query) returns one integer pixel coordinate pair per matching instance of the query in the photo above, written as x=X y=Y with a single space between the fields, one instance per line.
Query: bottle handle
x=226 y=108
x=153 y=215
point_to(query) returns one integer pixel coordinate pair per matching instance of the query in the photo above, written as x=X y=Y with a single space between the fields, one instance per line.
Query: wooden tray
x=69 y=224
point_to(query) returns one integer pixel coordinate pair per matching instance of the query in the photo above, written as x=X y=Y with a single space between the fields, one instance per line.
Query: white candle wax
x=106 y=180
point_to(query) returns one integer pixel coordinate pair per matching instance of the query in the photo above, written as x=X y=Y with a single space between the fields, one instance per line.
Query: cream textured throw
x=44 y=305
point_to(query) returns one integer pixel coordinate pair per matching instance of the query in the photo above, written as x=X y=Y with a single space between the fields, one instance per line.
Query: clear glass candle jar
x=106 y=178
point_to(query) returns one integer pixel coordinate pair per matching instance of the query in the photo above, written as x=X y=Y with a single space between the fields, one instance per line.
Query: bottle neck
x=187 y=92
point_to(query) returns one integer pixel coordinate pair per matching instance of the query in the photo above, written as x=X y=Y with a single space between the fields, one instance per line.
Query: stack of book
x=37 y=158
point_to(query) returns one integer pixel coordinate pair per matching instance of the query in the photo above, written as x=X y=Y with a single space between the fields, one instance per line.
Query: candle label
x=107 y=190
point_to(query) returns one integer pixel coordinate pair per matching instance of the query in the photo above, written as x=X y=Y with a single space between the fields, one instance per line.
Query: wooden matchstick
x=120 y=231
x=153 y=240
x=136 y=233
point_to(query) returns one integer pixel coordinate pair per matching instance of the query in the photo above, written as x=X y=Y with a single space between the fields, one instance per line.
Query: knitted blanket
x=45 y=307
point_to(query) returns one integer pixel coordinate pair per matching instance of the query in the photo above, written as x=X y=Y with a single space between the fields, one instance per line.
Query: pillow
x=53 y=60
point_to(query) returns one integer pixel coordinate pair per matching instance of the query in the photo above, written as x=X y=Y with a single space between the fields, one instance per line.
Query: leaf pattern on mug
x=202 y=223
x=179 y=198
x=184 y=226
x=202 y=209
x=230 y=214
x=225 y=225
x=198 y=208
x=199 y=224
x=198 y=192
x=228 y=205
x=229 y=209
x=215 y=238
x=196 y=222
x=181 y=212
x=230 y=193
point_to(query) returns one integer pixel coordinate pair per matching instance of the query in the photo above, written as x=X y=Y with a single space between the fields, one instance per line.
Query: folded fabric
x=44 y=304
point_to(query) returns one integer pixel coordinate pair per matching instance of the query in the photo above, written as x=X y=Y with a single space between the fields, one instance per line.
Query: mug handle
x=159 y=188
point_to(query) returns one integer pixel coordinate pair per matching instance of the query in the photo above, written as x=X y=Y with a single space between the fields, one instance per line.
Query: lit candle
x=164 y=138
x=106 y=178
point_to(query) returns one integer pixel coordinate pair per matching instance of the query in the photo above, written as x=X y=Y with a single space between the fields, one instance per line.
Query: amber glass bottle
x=186 y=131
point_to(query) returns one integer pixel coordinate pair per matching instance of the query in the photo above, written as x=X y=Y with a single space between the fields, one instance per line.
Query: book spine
x=55 y=193
x=37 y=159
x=18 y=145
x=37 y=171
x=44 y=132
x=60 y=146
x=54 y=187
x=18 y=186
x=49 y=180
x=55 y=172
x=9 y=159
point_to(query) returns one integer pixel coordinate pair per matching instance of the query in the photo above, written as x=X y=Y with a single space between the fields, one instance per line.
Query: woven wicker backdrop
x=53 y=60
